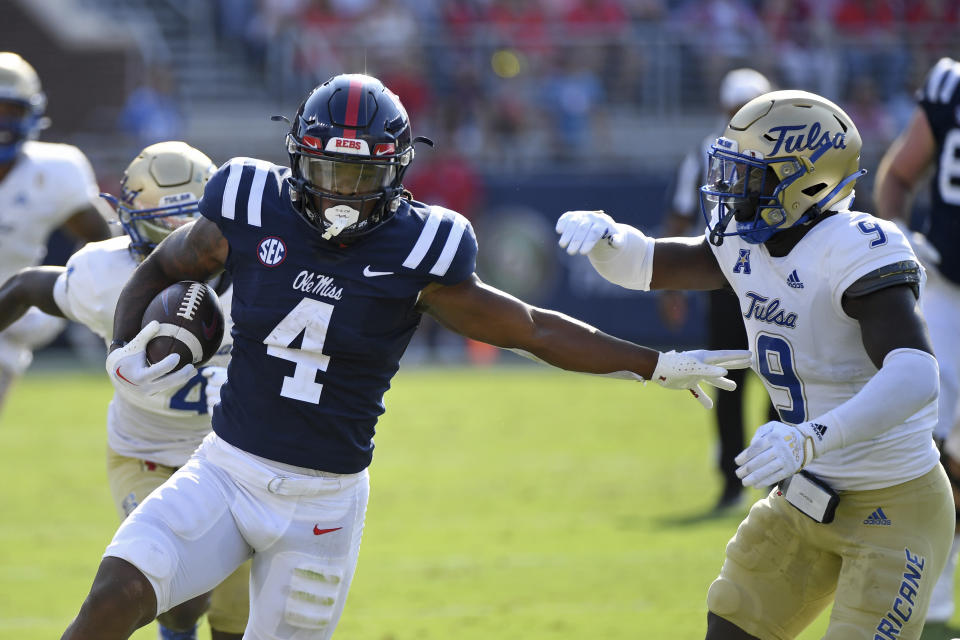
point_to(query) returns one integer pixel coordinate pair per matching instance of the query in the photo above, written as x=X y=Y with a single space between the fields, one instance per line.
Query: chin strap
x=716 y=233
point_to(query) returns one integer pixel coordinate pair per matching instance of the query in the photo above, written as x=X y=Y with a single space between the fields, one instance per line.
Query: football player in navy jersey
x=932 y=141
x=333 y=264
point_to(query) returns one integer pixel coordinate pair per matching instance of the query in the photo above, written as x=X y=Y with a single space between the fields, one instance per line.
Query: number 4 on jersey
x=311 y=318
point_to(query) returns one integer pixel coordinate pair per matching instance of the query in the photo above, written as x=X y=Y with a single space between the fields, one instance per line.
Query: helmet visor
x=346 y=178
x=733 y=178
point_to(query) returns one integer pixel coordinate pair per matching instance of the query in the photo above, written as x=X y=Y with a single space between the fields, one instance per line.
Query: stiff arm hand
x=128 y=368
x=580 y=231
x=689 y=369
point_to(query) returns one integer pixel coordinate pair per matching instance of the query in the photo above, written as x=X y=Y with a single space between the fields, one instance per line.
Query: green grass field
x=515 y=503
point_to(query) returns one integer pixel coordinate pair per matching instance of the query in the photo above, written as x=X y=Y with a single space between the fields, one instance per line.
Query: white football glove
x=128 y=367
x=580 y=231
x=777 y=451
x=215 y=376
x=688 y=369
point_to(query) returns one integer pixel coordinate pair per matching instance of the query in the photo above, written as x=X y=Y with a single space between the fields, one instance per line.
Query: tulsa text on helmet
x=808 y=141
x=317 y=284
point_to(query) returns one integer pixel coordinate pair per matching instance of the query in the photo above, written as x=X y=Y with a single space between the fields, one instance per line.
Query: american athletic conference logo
x=271 y=251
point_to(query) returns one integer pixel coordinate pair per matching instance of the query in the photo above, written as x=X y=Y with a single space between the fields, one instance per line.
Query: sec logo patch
x=271 y=251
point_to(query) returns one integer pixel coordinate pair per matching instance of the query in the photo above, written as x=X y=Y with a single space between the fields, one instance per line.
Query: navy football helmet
x=349 y=146
x=23 y=105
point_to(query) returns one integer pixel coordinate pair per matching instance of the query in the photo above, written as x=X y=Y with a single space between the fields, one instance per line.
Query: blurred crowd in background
x=614 y=90
x=571 y=62
x=505 y=85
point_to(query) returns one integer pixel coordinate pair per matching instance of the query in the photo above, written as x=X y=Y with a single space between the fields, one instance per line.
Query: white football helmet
x=20 y=89
x=160 y=190
x=785 y=157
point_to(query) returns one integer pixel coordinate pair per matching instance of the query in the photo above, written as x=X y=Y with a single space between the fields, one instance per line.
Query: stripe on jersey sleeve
x=950 y=84
x=255 y=201
x=450 y=247
x=427 y=234
x=229 y=203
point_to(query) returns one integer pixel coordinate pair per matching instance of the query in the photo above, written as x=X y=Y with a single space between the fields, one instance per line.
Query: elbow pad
x=908 y=380
x=630 y=265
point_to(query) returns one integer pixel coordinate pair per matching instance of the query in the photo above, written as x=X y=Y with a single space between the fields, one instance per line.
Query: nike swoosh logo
x=120 y=375
x=317 y=531
x=370 y=273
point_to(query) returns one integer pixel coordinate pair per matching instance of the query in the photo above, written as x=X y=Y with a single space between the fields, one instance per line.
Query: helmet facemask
x=148 y=227
x=346 y=197
x=745 y=189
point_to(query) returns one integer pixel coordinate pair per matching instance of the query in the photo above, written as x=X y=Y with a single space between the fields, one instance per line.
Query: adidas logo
x=794 y=280
x=818 y=429
x=878 y=517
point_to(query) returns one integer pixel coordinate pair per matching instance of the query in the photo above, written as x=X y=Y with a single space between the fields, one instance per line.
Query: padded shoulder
x=446 y=246
x=87 y=291
x=237 y=190
x=902 y=272
x=939 y=97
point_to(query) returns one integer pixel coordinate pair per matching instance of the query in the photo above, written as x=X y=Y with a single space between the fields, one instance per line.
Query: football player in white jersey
x=932 y=141
x=43 y=187
x=148 y=436
x=862 y=514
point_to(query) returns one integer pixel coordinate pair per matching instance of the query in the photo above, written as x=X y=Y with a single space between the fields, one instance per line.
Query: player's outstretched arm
x=481 y=312
x=30 y=287
x=196 y=251
x=627 y=257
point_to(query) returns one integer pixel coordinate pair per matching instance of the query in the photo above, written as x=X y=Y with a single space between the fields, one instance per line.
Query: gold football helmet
x=785 y=157
x=160 y=190
x=21 y=118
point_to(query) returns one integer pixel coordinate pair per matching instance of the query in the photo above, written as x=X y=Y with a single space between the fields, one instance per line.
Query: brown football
x=191 y=323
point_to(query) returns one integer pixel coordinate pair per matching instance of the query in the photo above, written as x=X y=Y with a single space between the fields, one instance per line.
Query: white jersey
x=46 y=186
x=810 y=354
x=164 y=428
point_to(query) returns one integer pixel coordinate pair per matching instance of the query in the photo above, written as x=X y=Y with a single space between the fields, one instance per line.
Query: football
x=191 y=323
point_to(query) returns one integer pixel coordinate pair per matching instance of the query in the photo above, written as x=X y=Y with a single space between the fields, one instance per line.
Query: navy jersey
x=319 y=328
x=940 y=100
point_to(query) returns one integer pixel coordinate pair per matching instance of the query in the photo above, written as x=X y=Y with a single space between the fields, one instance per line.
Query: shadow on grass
x=733 y=514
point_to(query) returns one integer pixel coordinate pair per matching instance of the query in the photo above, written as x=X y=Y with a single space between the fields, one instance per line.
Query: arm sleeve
x=630 y=266
x=907 y=382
